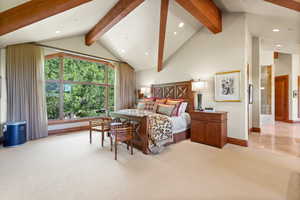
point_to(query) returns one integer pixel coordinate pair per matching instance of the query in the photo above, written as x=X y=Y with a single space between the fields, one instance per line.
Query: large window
x=78 y=87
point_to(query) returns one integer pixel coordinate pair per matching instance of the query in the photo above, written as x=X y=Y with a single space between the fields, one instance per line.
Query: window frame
x=62 y=82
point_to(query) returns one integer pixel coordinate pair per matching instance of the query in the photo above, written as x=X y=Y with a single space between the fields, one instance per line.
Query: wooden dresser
x=209 y=128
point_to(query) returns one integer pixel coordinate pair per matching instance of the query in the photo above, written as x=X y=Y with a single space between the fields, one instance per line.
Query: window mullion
x=61 y=92
x=106 y=90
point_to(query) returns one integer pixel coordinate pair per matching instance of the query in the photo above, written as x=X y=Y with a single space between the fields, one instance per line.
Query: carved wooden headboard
x=177 y=90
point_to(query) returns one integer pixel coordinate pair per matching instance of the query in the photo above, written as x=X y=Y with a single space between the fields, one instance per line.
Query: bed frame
x=178 y=90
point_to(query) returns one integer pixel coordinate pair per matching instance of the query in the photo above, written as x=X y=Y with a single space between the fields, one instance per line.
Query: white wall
x=256 y=71
x=283 y=64
x=3 y=99
x=204 y=55
x=267 y=58
x=294 y=81
x=78 y=44
x=249 y=62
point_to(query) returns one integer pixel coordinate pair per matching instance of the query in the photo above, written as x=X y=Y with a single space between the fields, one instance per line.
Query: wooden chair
x=122 y=132
x=101 y=125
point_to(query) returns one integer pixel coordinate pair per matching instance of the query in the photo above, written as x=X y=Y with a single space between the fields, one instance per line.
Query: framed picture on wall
x=227 y=86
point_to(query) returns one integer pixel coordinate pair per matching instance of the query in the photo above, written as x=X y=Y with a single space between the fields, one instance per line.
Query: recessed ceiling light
x=175 y=33
x=57 y=32
x=278 y=45
x=276 y=30
x=181 y=24
x=122 y=50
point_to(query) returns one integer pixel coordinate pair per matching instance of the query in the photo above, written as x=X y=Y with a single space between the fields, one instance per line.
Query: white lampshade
x=146 y=91
x=198 y=86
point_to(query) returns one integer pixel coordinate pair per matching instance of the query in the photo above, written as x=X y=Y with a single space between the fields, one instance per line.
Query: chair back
x=122 y=131
x=102 y=122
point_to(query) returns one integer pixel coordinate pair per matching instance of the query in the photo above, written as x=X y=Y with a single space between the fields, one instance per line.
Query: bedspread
x=160 y=132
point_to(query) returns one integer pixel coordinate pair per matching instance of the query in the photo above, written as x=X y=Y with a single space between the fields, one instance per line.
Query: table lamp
x=198 y=87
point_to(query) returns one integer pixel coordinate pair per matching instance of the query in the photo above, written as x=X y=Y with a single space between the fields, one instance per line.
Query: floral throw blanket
x=160 y=132
x=159 y=128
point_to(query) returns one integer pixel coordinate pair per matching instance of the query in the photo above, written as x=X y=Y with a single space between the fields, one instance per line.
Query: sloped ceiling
x=7 y=4
x=76 y=21
x=135 y=39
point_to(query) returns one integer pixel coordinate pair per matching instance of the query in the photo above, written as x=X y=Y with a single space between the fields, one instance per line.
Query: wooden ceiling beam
x=162 y=33
x=291 y=4
x=33 y=11
x=115 y=15
x=205 y=11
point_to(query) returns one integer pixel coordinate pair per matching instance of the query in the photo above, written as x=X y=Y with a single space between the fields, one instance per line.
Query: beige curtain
x=26 y=88
x=125 y=86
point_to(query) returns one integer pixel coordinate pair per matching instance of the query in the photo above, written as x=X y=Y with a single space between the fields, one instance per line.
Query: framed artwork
x=250 y=94
x=227 y=86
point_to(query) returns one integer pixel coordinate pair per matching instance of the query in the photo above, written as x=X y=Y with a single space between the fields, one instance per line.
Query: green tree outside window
x=85 y=89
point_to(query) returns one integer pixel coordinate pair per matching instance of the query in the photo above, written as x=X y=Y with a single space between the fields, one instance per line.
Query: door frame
x=248 y=105
x=287 y=113
x=298 y=96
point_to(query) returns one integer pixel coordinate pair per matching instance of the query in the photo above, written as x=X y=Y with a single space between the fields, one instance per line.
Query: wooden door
x=282 y=98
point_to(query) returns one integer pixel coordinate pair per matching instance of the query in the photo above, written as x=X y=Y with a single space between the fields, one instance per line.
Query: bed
x=144 y=119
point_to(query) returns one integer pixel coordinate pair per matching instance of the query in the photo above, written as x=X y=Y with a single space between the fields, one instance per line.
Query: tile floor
x=281 y=138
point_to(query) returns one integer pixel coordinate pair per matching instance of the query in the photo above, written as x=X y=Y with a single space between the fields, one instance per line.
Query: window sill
x=66 y=121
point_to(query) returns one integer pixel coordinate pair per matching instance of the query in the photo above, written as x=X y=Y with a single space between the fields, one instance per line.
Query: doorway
x=280 y=134
x=282 y=98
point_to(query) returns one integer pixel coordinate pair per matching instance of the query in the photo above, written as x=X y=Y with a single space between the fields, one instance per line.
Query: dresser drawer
x=208 y=117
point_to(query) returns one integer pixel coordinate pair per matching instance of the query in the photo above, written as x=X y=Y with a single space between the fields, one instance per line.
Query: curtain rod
x=76 y=52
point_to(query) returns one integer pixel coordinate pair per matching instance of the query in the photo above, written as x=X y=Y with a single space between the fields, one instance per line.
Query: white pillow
x=182 y=108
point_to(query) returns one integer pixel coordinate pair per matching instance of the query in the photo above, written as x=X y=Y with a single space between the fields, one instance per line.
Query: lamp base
x=199 y=98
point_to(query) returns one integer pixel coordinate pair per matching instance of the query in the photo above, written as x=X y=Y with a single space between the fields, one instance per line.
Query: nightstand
x=209 y=128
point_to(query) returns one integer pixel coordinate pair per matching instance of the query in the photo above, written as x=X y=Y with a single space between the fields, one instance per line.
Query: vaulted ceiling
x=135 y=38
x=76 y=21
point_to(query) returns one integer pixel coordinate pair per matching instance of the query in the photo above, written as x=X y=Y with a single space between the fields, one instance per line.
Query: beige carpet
x=69 y=168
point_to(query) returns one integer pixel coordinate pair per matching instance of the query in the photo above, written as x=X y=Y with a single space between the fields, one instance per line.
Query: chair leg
x=116 y=149
x=90 y=136
x=127 y=142
x=102 y=138
x=111 y=143
x=131 y=147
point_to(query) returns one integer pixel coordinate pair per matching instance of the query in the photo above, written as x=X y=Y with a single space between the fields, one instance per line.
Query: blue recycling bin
x=14 y=134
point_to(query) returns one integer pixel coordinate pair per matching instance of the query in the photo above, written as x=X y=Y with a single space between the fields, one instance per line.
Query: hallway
x=283 y=138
